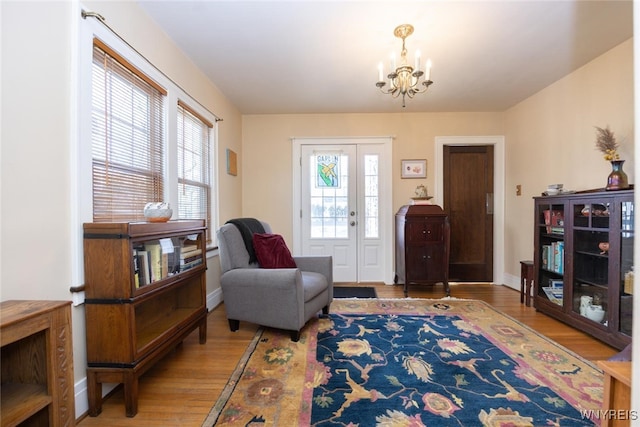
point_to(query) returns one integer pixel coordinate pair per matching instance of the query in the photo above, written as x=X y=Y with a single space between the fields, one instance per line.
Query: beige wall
x=266 y=163
x=551 y=139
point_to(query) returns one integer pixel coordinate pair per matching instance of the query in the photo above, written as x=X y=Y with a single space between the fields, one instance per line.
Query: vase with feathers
x=607 y=144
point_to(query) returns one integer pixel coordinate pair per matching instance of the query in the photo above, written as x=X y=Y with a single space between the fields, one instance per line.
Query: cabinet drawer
x=428 y=230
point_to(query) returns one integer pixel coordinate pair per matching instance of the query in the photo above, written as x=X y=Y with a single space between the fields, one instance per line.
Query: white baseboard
x=80 y=387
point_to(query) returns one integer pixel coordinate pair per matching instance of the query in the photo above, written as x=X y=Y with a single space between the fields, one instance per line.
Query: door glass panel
x=371 y=197
x=626 y=267
x=329 y=195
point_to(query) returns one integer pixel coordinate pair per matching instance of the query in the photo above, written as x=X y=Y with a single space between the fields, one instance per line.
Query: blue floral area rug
x=410 y=362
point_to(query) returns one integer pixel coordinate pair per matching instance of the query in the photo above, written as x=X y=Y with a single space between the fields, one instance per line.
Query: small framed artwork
x=414 y=169
x=232 y=162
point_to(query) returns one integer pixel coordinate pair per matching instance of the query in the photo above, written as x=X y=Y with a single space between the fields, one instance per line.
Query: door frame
x=498 y=191
x=385 y=184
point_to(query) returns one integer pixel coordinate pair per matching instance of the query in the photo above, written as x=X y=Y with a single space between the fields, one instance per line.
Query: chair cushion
x=272 y=251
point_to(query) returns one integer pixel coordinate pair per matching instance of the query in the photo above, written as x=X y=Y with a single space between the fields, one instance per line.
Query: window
x=127 y=138
x=150 y=140
x=194 y=171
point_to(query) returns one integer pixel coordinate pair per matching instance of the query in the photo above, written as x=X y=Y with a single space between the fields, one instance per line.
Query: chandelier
x=405 y=79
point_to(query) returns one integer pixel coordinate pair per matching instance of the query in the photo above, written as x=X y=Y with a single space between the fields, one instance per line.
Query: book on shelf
x=554 y=220
x=155 y=260
x=555 y=295
x=136 y=269
x=189 y=251
x=143 y=265
x=553 y=257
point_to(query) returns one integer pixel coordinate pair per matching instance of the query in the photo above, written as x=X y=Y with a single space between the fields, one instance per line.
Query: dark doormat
x=354 y=292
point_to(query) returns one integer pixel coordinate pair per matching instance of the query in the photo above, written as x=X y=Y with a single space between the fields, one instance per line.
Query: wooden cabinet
x=145 y=292
x=616 y=399
x=37 y=364
x=583 y=249
x=422 y=246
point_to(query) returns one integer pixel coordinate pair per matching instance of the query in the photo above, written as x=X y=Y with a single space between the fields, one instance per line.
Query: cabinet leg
x=406 y=289
x=446 y=288
x=203 y=331
x=131 y=393
x=94 y=394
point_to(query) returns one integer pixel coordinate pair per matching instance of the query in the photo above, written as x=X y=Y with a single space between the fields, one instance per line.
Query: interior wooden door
x=468 y=200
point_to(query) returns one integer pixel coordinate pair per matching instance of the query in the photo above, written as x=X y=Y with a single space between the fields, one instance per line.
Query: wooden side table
x=526 y=281
x=617 y=392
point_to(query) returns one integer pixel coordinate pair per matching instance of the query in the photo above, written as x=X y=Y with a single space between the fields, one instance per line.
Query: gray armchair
x=283 y=298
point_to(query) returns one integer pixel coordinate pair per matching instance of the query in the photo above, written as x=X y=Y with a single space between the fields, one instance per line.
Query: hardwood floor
x=181 y=389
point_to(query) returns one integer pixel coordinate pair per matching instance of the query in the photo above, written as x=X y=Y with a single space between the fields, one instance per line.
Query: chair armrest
x=316 y=264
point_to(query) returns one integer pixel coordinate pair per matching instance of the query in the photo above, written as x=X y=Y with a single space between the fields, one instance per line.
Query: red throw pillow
x=272 y=251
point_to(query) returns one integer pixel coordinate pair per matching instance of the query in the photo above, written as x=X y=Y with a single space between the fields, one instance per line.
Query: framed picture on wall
x=414 y=168
x=232 y=162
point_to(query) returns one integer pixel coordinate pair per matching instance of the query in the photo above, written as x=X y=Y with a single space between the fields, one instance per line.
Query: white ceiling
x=322 y=56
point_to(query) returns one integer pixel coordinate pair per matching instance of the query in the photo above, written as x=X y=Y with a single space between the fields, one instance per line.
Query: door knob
x=352 y=223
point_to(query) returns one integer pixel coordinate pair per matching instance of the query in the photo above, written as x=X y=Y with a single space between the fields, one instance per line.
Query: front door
x=468 y=200
x=344 y=199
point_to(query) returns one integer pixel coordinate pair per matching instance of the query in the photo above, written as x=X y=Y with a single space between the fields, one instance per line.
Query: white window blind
x=127 y=138
x=194 y=166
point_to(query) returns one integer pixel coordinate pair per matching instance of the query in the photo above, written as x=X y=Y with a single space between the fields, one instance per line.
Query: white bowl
x=595 y=313
x=157 y=212
x=552 y=191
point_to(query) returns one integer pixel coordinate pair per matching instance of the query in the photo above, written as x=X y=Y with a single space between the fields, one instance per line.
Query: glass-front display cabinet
x=584 y=261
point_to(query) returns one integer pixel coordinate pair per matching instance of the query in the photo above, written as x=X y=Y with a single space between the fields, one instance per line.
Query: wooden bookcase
x=145 y=292
x=422 y=246
x=583 y=250
x=37 y=364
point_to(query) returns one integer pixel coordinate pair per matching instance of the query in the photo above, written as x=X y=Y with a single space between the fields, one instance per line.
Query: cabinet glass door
x=551 y=223
x=626 y=267
x=590 y=287
x=157 y=259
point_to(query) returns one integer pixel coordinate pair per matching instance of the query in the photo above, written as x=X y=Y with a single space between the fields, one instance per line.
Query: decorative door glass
x=330 y=195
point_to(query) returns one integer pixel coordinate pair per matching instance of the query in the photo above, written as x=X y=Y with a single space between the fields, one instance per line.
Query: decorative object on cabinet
x=607 y=144
x=617 y=179
x=158 y=212
x=421 y=192
x=593 y=296
x=37 y=363
x=414 y=169
x=422 y=246
x=145 y=293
